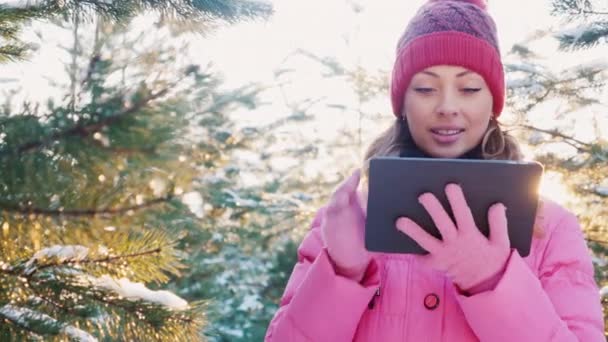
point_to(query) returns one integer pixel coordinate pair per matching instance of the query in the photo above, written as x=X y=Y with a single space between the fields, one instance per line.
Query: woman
x=447 y=91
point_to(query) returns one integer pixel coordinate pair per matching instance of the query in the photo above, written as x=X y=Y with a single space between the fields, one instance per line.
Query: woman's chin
x=446 y=152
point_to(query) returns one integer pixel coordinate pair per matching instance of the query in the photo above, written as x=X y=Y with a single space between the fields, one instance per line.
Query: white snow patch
x=78 y=334
x=103 y=250
x=136 y=291
x=575 y=32
x=233 y=332
x=194 y=201
x=598 y=261
x=251 y=302
x=62 y=253
x=158 y=186
x=526 y=67
x=239 y=201
x=17 y=314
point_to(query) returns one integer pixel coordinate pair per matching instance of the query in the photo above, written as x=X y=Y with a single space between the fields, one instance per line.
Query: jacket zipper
x=372 y=302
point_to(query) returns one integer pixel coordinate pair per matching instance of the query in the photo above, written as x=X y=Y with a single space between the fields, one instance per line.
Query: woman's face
x=448 y=109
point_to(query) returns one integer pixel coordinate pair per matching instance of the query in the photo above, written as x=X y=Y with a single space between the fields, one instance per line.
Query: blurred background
x=160 y=161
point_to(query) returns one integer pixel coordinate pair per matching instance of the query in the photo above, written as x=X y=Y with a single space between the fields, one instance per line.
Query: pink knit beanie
x=449 y=32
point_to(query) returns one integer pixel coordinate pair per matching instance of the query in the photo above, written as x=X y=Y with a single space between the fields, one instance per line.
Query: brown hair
x=496 y=144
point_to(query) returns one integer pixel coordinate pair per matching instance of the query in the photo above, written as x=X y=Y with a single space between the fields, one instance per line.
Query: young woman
x=447 y=91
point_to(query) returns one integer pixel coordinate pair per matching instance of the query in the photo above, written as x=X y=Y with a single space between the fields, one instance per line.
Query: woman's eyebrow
x=430 y=73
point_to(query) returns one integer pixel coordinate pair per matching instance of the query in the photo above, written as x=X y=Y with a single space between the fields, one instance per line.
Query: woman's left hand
x=464 y=253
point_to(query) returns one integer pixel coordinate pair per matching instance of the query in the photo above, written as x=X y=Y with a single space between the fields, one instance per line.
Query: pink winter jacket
x=549 y=295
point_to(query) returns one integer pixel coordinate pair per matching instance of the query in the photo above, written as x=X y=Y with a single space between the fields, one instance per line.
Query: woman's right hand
x=343 y=230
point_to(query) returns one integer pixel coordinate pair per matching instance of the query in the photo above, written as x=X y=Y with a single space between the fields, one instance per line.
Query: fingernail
x=422 y=197
x=402 y=223
x=501 y=206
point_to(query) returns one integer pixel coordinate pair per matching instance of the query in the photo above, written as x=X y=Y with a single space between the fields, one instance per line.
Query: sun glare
x=552 y=187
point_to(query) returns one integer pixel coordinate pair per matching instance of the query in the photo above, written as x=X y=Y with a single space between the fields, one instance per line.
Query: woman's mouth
x=446 y=135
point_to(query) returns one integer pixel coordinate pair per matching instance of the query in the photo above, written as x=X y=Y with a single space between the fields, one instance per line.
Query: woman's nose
x=448 y=104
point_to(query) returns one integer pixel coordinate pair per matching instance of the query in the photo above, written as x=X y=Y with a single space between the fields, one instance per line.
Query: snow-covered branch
x=69 y=253
x=72 y=254
x=25 y=317
x=138 y=291
x=21 y=3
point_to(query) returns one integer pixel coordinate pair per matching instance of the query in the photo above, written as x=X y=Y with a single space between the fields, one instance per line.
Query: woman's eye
x=424 y=90
x=471 y=90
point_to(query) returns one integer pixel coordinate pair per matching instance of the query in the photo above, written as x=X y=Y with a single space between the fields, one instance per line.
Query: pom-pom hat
x=449 y=32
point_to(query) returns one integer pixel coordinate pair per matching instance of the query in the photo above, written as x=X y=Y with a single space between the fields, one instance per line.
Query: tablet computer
x=395 y=184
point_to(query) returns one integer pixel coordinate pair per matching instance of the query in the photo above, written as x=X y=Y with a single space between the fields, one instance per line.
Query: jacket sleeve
x=561 y=304
x=317 y=304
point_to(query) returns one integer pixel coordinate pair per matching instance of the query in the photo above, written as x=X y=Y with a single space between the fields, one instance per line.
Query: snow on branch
x=61 y=253
x=604 y=292
x=138 y=291
x=20 y=3
x=602 y=190
x=239 y=201
x=23 y=317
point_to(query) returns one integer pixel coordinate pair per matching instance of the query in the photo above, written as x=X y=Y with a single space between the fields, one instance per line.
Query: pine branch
x=594 y=12
x=13 y=52
x=578 y=148
x=86 y=130
x=41 y=324
x=82 y=212
x=123 y=150
x=132 y=309
x=29 y=320
x=555 y=133
x=595 y=192
x=597 y=241
x=539 y=99
x=181 y=9
x=583 y=37
x=552 y=86
x=21 y=272
x=138 y=308
x=31 y=285
x=101 y=260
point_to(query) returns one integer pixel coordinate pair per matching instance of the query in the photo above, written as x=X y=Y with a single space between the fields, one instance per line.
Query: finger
x=362 y=197
x=497 y=220
x=462 y=213
x=414 y=231
x=338 y=201
x=440 y=217
x=341 y=196
x=351 y=183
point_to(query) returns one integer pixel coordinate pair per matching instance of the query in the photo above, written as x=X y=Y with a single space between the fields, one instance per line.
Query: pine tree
x=592 y=23
x=92 y=188
x=582 y=157
x=264 y=222
x=591 y=180
x=15 y=14
x=252 y=213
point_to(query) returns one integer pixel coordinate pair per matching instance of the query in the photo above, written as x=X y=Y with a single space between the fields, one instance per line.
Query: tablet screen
x=395 y=184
